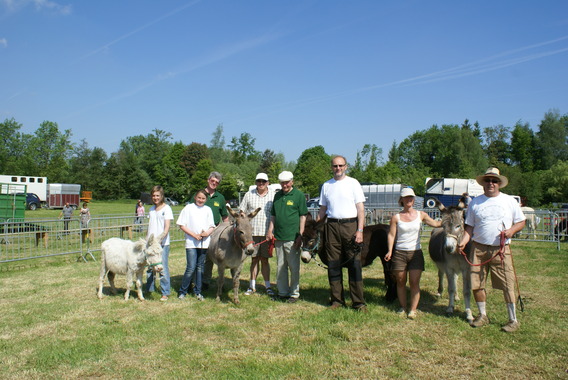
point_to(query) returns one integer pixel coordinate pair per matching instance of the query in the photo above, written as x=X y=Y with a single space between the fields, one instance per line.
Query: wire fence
x=29 y=239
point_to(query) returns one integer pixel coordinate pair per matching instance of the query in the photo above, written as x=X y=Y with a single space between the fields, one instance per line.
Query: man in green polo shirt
x=288 y=216
x=216 y=201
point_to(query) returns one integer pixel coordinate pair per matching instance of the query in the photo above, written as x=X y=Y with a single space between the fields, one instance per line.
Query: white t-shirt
x=197 y=219
x=158 y=220
x=490 y=215
x=340 y=197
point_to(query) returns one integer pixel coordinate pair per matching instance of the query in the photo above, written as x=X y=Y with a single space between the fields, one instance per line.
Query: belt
x=347 y=220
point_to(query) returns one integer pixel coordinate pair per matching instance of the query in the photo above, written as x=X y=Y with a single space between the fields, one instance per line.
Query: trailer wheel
x=32 y=206
x=430 y=203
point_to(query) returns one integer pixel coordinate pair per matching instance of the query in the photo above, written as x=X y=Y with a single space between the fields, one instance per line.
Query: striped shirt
x=251 y=201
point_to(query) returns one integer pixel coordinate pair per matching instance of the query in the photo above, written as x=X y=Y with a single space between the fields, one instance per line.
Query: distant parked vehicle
x=170 y=201
x=32 y=201
x=313 y=202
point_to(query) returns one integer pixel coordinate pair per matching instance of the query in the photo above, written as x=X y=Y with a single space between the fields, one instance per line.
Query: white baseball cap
x=262 y=176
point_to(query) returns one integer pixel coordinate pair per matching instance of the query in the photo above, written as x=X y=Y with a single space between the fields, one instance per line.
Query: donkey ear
x=233 y=213
x=309 y=217
x=150 y=239
x=253 y=214
x=440 y=206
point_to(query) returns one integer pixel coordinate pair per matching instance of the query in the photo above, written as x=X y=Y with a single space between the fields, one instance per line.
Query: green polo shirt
x=217 y=203
x=287 y=209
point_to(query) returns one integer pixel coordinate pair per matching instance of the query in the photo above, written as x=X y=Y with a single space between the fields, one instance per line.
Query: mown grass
x=53 y=326
x=96 y=207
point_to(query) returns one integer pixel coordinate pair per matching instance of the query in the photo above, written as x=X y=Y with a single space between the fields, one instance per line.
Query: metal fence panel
x=29 y=239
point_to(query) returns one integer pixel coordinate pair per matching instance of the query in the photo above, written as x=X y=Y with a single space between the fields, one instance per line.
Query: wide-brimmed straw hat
x=493 y=172
x=406 y=192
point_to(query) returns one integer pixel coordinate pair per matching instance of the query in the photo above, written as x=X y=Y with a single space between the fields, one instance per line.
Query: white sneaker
x=199 y=297
x=250 y=291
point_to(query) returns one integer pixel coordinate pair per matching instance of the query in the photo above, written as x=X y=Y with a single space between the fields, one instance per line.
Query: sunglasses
x=261 y=181
x=337 y=166
x=489 y=180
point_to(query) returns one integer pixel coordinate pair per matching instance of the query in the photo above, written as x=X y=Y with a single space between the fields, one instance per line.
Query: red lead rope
x=500 y=253
x=270 y=245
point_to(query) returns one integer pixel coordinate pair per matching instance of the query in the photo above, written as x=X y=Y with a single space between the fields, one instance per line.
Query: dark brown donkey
x=374 y=245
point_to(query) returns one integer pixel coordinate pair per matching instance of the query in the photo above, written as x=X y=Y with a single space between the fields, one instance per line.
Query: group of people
x=282 y=219
x=492 y=219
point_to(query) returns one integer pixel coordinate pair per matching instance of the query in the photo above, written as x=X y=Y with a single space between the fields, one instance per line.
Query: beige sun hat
x=493 y=172
x=406 y=192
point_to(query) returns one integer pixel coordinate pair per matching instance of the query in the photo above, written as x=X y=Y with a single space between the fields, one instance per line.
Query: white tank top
x=408 y=234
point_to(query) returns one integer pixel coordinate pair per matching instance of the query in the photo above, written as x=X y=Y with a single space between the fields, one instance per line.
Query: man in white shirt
x=488 y=217
x=342 y=203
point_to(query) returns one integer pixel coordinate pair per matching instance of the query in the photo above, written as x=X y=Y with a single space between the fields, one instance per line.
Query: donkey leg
x=236 y=283
x=220 y=280
x=128 y=284
x=139 y=284
x=466 y=276
x=452 y=278
x=101 y=279
x=441 y=275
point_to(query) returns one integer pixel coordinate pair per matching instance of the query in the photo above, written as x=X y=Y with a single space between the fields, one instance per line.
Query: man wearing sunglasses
x=488 y=216
x=342 y=203
x=261 y=196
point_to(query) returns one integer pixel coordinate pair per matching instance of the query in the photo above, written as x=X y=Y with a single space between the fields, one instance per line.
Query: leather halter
x=237 y=241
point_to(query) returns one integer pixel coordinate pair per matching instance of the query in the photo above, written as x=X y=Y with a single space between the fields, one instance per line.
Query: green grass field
x=121 y=207
x=53 y=326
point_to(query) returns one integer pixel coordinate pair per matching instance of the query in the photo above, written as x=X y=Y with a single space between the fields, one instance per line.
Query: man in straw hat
x=488 y=216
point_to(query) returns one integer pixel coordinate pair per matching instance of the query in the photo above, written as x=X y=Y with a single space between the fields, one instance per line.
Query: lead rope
x=501 y=254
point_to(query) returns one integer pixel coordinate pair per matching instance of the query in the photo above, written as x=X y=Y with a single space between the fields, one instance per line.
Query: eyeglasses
x=489 y=180
x=337 y=166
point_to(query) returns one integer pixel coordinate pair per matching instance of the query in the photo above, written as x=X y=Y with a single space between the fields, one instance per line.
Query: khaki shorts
x=407 y=260
x=262 y=249
x=502 y=275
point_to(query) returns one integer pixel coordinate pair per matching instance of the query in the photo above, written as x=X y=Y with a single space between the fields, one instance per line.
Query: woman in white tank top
x=407 y=258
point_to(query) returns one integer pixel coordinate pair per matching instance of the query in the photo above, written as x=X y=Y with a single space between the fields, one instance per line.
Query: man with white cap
x=492 y=219
x=262 y=196
x=288 y=216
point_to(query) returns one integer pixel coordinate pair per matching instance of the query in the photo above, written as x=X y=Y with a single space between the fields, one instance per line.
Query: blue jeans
x=164 y=276
x=195 y=258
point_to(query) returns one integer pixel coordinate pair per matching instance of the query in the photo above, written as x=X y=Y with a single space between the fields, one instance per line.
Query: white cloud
x=40 y=5
x=52 y=6
x=3 y=42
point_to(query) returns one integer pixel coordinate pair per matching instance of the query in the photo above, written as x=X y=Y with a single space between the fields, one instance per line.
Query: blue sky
x=293 y=74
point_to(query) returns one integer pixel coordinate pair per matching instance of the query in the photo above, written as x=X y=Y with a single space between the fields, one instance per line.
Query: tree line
x=536 y=163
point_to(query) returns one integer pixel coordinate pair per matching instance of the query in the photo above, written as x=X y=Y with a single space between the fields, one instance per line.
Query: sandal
x=270 y=292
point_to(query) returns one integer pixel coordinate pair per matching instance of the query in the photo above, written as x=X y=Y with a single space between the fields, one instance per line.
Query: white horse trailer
x=36 y=185
x=449 y=190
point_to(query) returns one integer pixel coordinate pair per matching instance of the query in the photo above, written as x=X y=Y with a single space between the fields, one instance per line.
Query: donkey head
x=242 y=229
x=153 y=250
x=453 y=225
x=311 y=238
